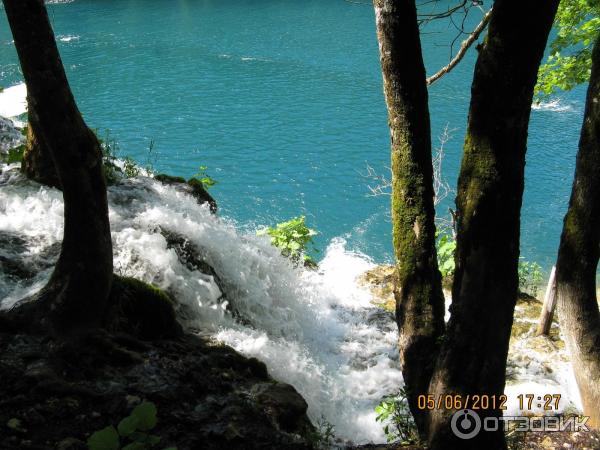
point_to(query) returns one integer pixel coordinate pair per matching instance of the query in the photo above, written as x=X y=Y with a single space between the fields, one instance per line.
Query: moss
x=168 y=179
x=142 y=309
x=201 y=194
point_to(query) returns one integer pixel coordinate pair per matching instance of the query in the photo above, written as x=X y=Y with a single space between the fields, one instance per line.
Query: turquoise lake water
x=282 y=100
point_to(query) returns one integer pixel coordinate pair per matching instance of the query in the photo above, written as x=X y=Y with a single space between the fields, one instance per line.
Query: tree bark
x=473 y=356
x=578 y=256
x=37 y=163
x=419 y=297
x=75 y=297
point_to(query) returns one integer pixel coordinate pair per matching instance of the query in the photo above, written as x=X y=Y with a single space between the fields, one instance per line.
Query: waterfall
x=316 y=330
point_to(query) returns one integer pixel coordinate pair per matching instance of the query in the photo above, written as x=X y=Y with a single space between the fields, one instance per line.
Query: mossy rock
x=193 y=186
x=142 y=310
x=168 y=179
x=201 y=194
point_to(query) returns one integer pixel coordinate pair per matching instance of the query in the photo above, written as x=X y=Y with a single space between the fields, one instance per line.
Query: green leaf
x=15 y=155
x=105 y=439
x=135 y=446
x=128 y=425
x=153 y=440
x=146 y=415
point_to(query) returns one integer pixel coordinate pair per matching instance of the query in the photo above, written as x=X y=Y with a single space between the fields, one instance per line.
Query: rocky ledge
x=55 y=394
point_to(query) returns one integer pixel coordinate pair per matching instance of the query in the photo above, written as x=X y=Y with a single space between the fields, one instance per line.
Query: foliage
x=110 y=155
x=292 y=238
x=14 y=155
x=133 y=430
x=203 y=177
x=530 y=273
x=530 y=277
x=323 y=435
x=130 y=169
x=394 y=413
x=570 y=61
x=446 y=246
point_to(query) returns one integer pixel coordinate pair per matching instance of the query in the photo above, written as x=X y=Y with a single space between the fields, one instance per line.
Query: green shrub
x=131 y=433
x=323 y=435
x=446 y=246
x=292 y=238
x=110 y=154
x=130 y=168
x=14 y=155
x=530 y=277
x=394 y=414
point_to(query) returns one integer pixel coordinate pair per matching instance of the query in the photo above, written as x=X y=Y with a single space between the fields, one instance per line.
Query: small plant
x=292 y=238
x=131 y=433
x=446 y=246
x=203 y=177
x=399 y=425
x=151 y=158
x=110 y=155
x=323 y=435
x=530 y=277
x=109 y=148
x=14 y=155
x=130 y=168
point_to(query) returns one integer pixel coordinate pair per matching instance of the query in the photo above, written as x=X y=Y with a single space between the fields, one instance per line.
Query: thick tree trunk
x=578 y=256
x=473 y=356
x=76 y=295
x=37 y=161
x=419 y=297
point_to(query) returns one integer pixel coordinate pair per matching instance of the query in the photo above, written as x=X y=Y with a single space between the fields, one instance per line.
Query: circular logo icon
x=465 y=424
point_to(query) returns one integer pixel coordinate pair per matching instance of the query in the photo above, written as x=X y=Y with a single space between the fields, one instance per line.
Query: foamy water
x=553 y=105
x=67 y=38
x=315 y=330
x=13 y=100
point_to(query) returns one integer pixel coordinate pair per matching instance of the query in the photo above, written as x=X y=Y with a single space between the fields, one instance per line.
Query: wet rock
x=208 y=396
x=381 y=281
x=142 y=308
x=193 y=258
x=193 y=186
x=283 y=403
x=10 y=136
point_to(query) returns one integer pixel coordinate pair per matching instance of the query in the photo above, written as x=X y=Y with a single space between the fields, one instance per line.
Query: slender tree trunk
x=419 y=297
x=490 y=187
x=37 y=161
x=76 y=295
x=578 y=256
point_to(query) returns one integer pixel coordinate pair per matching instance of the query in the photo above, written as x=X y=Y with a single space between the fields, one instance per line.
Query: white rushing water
x=13 y=100
x=314 y=330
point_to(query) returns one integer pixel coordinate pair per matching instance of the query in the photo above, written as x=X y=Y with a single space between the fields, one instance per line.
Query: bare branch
x=382 y=185
x=463 y=49
x=441 y=188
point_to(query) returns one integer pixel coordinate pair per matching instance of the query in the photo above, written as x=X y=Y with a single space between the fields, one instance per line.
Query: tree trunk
x=578 y=256
x=76 y=295
x=37 y=163
x=419 y=297
x=473 y=356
